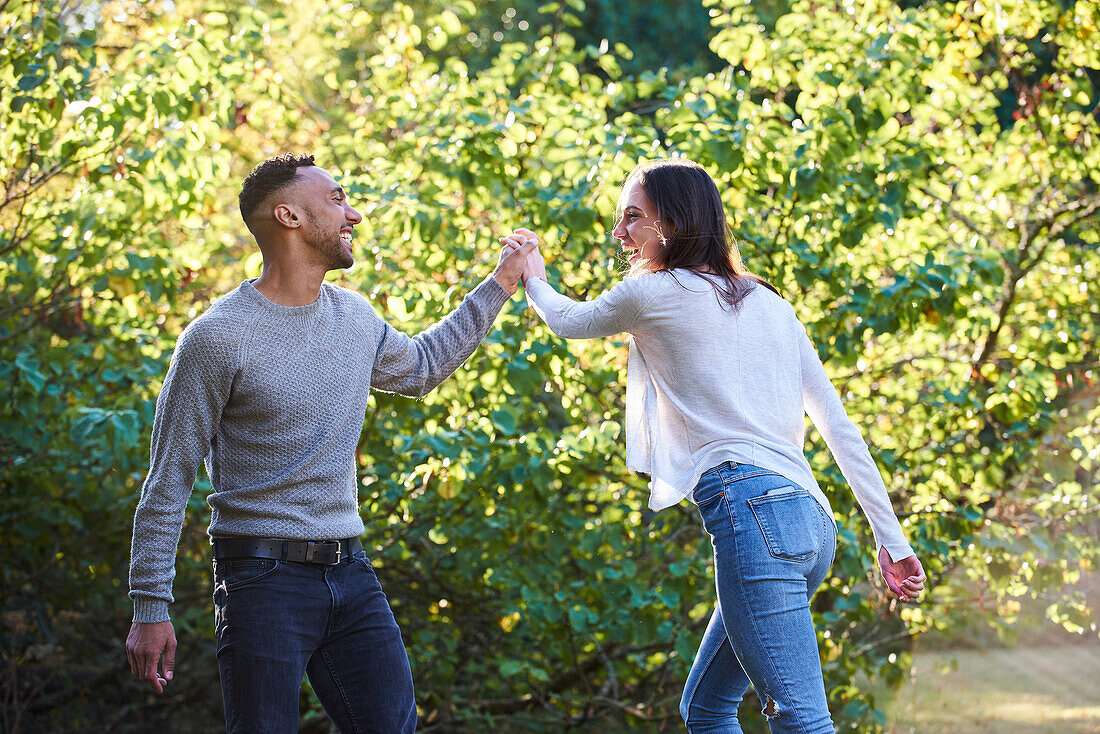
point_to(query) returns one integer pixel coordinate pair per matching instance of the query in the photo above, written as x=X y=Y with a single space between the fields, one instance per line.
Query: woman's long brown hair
x=700 y=240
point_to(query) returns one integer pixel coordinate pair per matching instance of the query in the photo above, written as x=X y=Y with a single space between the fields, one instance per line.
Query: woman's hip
x=764 y=519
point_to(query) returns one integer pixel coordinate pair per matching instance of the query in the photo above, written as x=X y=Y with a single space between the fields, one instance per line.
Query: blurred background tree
x=919 y=180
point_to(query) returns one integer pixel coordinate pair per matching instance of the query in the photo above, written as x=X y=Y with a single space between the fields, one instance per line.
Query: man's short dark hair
x=267 y=178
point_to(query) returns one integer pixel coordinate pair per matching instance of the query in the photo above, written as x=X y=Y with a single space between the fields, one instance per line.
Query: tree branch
x=562 y=682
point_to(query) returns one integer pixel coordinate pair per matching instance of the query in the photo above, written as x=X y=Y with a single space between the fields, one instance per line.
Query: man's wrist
x=150 y=611
x=510 y=288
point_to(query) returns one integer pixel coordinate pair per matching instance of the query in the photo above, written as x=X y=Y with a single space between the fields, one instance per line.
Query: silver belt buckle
x=312 y=547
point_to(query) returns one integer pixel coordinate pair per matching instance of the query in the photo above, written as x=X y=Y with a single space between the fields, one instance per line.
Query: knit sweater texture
x=708 y=384
x=274 y=398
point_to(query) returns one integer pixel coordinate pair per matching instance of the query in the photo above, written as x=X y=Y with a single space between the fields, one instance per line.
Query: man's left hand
x=146 y=645
x=511 y=263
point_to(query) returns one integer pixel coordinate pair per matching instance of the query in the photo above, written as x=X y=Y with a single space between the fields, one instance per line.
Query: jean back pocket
x=790 y=522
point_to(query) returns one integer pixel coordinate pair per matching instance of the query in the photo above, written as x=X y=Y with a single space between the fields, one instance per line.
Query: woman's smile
x=632 y=252
x=637 y=230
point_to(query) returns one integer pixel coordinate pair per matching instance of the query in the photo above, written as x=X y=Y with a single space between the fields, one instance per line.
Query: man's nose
x=352 y=216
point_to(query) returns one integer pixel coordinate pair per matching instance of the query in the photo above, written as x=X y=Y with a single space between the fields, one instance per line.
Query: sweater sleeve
x=844 y=440
x=612 y=312
x=189 y=407
x=415 y=366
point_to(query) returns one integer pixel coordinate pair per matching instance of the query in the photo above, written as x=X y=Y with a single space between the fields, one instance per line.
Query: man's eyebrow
x=338 y=190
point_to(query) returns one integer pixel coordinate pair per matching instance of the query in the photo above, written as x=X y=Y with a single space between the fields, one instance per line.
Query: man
x=270 y=386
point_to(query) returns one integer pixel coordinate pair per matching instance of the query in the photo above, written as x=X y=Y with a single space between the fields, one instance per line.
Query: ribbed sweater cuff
x=150 y=611
x=493 y=292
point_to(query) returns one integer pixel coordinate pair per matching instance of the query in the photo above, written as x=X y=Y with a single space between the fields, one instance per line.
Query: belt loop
x=286 y=550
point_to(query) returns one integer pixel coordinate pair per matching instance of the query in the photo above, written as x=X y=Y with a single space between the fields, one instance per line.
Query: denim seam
x=221 y=641
x=729 y=510
x=332 y=608
x=824 y=532
x=250 y=580
x=825 y=520
x=710 y=500
x=750 y=475
x=343 y=691
x=755 y=630
x=701 y=677
x=786 y=708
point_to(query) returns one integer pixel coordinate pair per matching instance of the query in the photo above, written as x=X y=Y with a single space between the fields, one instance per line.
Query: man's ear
x=287 y=216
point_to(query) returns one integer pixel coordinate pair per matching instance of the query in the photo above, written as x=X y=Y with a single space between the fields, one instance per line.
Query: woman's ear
x=666 y=230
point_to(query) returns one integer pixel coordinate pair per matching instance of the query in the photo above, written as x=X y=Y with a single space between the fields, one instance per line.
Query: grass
x=1050 y=689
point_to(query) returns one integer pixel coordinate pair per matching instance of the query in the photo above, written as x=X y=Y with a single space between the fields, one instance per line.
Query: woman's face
x=637 y=229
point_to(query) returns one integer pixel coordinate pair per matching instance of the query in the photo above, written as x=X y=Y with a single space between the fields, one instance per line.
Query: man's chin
x=341 y=261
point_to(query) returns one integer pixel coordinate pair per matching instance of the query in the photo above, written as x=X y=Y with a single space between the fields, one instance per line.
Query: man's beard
x=328 y=245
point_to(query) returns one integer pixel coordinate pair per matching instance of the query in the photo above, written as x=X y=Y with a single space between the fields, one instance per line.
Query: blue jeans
x=277 y=620
x=773 y=545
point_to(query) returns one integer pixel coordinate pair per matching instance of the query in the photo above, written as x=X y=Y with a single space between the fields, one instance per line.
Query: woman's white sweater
x=707 y=384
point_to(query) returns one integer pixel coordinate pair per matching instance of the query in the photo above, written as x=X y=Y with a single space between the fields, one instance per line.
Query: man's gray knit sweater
x=274 y=398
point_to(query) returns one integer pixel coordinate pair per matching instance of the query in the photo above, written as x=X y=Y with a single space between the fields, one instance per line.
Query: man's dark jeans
x=277 y=620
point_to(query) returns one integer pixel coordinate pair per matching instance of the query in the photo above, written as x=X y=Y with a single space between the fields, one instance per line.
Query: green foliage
x=103 y=217
x=922 y=184
x=672 y=34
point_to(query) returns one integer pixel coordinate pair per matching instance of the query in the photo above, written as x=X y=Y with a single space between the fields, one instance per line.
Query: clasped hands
x=519 y=259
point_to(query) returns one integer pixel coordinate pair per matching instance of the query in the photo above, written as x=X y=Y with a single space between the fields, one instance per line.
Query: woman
x=720 y=376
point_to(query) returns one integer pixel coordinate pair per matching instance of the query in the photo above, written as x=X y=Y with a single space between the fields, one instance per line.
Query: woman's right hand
x=904 y=578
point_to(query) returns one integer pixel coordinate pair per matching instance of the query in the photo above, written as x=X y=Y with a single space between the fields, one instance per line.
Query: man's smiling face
x=329 y=217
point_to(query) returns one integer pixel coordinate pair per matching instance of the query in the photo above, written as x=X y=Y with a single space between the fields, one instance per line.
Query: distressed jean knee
x=770 y=709
x=782 y=718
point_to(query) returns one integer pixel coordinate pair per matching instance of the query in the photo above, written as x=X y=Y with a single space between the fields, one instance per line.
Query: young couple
x=270 y=387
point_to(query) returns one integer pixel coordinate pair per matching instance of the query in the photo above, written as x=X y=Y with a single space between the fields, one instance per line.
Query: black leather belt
x=321 y=552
